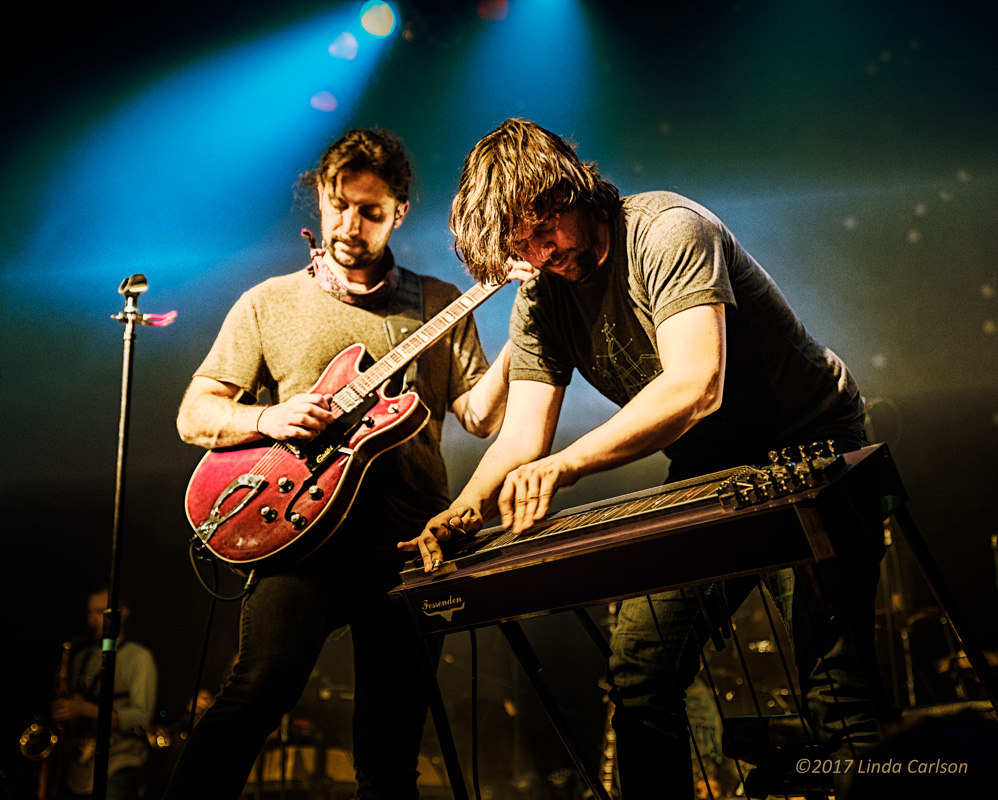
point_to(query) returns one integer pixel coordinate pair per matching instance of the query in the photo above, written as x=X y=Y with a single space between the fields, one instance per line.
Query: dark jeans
x=656 y=657
x=283 y=625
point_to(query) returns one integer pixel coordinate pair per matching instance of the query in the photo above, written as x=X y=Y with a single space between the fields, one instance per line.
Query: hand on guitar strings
x=303 y=416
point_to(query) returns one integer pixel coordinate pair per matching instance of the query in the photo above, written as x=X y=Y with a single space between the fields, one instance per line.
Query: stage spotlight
x=378 y=18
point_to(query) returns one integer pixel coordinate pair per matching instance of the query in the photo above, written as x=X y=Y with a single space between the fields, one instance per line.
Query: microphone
x=131 y=287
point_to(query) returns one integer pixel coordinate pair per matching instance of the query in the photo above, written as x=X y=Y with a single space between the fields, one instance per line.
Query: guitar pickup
x=347 y=399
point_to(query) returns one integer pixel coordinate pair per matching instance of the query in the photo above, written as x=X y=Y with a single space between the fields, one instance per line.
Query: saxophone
x=607 y=770
x=41 y=738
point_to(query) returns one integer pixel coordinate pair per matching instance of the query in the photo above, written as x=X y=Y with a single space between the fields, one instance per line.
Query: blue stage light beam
x=538 y=62
x=183 y=177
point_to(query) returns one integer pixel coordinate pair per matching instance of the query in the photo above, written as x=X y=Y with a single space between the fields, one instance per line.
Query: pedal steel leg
x=594 y=632
x=947 y=602
x=525 y=655
x=444 y=736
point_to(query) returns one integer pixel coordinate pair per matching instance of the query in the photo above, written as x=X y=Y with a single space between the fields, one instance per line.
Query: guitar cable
x=215 y=599
x=192 y=552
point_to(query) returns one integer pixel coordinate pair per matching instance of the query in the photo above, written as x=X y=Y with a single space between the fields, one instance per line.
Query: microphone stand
x=130 y=288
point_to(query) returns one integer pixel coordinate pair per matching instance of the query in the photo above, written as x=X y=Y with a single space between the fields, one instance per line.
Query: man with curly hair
x=278 y=338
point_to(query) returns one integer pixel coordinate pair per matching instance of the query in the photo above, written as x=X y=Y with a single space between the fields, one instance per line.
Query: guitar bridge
x=248 y=481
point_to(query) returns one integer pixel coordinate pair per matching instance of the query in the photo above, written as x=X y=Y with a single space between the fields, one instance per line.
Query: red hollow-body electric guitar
x=264 y=500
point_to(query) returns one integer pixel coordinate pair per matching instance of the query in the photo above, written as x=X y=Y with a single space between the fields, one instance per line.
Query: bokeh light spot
x=378 y=18
x=344 y=46
x=323 y=101
x=493 y=10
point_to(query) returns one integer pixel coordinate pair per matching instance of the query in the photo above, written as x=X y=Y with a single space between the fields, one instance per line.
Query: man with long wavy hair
x=653 y=300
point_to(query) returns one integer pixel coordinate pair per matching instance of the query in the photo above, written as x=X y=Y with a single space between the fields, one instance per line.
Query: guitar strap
x=406 y=314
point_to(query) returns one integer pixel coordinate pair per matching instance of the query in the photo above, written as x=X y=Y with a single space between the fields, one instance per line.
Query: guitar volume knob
x=269 y=514
x=298 y=521
x=315 y=492
x=285 y=485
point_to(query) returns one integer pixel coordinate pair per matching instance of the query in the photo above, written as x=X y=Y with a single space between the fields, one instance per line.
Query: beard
x=586 y=264
x=585 y=255
x=361 y=258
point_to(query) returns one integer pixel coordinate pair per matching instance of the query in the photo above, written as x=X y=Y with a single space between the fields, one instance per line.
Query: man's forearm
x=690 y=388
x=482 y=408
x=213 y=421
x=505 y=455
x=654 y=419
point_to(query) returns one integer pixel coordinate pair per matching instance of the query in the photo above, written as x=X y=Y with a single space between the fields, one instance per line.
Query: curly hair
x=363 y=149
x=520 y=173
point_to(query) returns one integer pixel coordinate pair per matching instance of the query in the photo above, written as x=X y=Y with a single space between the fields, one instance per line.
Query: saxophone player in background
x=76 y=713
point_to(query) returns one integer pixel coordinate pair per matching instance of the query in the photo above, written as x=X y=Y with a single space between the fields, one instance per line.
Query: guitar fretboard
x=425 y=336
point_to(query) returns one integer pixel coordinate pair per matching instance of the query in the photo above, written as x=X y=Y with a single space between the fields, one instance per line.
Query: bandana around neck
x=375 y=297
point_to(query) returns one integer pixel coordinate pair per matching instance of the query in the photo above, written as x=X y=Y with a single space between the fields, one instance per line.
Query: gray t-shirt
x=668 y=254
x=281 y=335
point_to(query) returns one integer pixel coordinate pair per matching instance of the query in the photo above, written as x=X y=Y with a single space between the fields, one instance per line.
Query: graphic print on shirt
x=621 y=371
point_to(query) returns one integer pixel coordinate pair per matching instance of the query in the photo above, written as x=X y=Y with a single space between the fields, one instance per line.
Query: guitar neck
x=425 y=336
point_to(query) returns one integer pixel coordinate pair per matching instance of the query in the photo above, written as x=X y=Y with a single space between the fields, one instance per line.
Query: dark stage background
x=849 y=145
